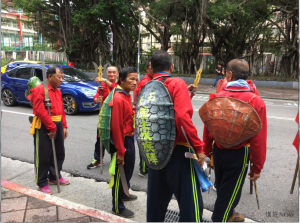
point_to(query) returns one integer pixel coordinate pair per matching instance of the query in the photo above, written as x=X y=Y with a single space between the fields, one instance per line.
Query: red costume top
x=142 y=83
x=106 y=90
x=259 y=141
x=183 y=111
x=296 y=140
x=57 y=107
x=121 y=119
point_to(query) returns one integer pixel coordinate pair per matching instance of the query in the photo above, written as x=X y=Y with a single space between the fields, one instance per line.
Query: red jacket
x=106 y=90
x=142 y=83
x=57 y=107
x=121 y=119
x=183 y=111
x=258 y=143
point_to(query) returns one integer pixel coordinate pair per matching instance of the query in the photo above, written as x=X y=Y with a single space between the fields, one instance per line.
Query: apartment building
x=16 y=35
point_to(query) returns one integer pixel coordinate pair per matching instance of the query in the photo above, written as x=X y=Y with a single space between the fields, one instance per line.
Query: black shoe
x=94 y=164
x=125 y=214
x=145 y=175
x=130 y=198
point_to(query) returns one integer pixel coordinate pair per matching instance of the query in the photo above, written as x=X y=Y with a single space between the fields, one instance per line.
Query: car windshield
x=74 y=75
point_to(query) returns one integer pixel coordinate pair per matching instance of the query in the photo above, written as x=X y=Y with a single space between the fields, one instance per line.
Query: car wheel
x=8 y=97
x=70 y=105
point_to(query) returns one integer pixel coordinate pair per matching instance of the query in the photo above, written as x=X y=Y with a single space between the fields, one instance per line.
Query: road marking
x=274 y=117
x=269 y=103
x=20 y=113
x=289 y=104
x=282 y=118
x=295 y=104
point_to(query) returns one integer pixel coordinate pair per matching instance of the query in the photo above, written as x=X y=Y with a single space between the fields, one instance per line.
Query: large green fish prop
x=32 y=83
x=104 y=121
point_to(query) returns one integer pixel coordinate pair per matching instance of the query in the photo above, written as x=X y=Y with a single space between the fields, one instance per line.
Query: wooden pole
x=295 y=176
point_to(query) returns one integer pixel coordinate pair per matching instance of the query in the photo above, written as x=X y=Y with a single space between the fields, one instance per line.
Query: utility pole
x=138 y=65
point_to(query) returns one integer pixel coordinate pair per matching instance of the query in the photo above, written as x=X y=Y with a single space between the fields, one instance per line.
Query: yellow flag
x=198 y=76
x=100 y=72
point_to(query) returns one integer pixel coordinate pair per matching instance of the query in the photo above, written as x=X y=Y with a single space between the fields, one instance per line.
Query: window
x=12 y=73
x=23 y=73
x=38 y=73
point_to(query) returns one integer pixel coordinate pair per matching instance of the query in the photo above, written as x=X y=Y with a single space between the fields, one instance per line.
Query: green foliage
x=210 y=67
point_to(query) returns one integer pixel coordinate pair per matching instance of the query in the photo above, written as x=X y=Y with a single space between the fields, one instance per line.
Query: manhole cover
x=173 y=216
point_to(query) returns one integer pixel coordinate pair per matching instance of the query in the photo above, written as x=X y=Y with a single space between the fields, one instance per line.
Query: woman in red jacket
x=122 y=132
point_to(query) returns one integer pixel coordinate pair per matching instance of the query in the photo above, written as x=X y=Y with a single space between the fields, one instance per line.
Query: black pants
x=143 y=166
x=43 y=154
x=231 y=167
x=97 y=148
x=117 y=189
x=178 y=177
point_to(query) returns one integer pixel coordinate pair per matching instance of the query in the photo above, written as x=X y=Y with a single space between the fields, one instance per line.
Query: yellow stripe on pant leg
x=117 y=192
x=37 y=147
x=237 y=186
x=195 y=195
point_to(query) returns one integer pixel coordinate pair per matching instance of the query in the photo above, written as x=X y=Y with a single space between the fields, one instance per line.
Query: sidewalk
x=265 y=93
x=22 y=204
x=84 y=200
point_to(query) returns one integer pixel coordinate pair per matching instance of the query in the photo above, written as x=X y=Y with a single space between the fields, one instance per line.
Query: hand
x=99 y=99
x=97 y=79
x=192 y=87
x=65 y=133
x=253 y=176
x=51 y=134
x=120 y=160
x=200 y=160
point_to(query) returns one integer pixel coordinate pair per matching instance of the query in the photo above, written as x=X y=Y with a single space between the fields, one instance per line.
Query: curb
x=102 y=215
x=263 y=97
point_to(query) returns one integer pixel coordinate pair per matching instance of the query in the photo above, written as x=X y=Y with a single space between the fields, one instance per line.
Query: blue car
x=78 y=89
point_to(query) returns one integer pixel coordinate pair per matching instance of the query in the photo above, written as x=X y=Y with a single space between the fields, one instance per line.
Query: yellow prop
x=198 y=76
x=100 y=72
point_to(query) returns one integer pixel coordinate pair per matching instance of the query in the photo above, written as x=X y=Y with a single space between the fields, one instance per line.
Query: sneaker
x=62 y=181
x=125 y=214
x=131 y=197
x=94 y=164
x=236 y=217
x=145 y=175
x=46 y=189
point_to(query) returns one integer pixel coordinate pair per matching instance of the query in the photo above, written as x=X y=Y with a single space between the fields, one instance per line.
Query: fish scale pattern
x=155 y=124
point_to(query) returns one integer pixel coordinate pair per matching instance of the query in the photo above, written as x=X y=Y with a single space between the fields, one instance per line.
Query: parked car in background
x=17 y=63
x=78 y=89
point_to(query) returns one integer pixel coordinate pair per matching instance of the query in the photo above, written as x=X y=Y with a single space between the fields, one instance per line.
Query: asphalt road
x=276 y=202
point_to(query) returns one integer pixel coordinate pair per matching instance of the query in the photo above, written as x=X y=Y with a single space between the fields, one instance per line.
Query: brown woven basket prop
x=229 y=120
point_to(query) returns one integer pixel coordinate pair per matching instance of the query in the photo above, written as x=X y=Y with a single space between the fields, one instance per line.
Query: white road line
x=287 y=104
x=282 y=118
x=274 y=117
x=295 y=104
x=20 y=113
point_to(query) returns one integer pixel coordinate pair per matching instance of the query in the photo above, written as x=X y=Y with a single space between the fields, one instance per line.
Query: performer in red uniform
x=46 y=128
x=122 y=135
x=148 y=77
x=230 y=165
x=108 y=85
x=178 y=176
